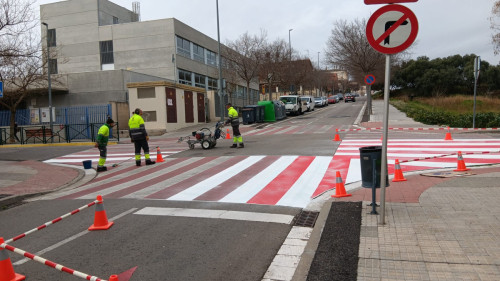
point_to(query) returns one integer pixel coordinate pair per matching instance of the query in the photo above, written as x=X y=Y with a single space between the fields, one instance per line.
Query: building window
x=53 y=66
x=115 y=20
x=185 y=77
x=52 y=37
x=199 y=80
x=212 y=83
x=106 y=50
x=149 y=116
x=146 y=93
x=211 y=58
x=198 y=53
x=183 y=47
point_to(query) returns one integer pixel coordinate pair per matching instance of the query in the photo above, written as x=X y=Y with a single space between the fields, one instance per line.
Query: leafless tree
x=274 y=68
x=21 y=59
x=348 y=48
x=495 y=26
x=245 y=56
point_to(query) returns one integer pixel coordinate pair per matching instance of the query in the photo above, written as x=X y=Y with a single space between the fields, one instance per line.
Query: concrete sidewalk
x=435 y=228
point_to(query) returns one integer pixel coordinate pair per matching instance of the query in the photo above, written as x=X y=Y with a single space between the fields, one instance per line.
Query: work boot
x=233 y=146
x=138 y=163
x=101 y=168
x=149 y=162
x=241 y=145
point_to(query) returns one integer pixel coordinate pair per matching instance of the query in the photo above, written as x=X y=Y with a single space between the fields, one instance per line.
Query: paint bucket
x=87 y=164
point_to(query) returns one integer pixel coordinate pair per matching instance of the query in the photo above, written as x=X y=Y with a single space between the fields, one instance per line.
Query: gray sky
x=446 y=27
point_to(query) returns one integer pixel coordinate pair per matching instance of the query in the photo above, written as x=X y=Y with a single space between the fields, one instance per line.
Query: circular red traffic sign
x=369 y=79
x=385 y=25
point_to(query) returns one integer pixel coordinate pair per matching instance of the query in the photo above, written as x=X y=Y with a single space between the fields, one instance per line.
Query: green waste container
x=269 y=115
x=371 y=162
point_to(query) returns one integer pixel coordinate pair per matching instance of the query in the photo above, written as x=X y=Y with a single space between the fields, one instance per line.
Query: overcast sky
x=446 y=27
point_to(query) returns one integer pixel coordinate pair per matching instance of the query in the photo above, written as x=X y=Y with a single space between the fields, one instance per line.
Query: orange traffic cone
x=398 y=174
x=6 y=270
x=339 y=187
x=113 y=278
x=159 y=157
x=228 y=136
x=448 y=135
x=337 y=137
x=461 y=164
x=100 y=218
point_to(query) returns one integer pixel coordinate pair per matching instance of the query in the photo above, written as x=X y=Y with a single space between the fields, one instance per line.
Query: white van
x=293 y=104
x=309 y=101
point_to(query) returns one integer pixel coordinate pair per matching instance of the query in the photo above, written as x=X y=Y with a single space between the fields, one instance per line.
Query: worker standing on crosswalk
x=102 y=143
x=235 y=123
x=139 y=136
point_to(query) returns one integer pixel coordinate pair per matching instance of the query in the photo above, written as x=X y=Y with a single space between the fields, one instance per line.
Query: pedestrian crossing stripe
x=272 y=180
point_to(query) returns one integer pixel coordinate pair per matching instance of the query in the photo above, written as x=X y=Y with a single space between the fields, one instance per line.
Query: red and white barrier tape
x=418 y=129
x=51 y=222
x=51 y=264
x=444 y=155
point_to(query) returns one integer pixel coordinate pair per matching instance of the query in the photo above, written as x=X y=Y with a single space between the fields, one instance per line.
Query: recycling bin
x=258 y=112
x=269 y=115
x=248 y=115
x=279 y=109
x=371 y=162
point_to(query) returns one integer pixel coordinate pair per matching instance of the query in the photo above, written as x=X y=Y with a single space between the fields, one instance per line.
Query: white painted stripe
x=216 y=214
x=439 y=149
x=286 y=130
x=415 y=155
x=268 y=131
x=299 y=195
x=354 y=172
x=116 y=154
x=69 y=239
x=250 y=188
x=214 y=181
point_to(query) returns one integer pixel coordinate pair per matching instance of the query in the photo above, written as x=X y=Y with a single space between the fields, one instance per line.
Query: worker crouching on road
x=102 y=143
x=139 y=137
x=235 y=123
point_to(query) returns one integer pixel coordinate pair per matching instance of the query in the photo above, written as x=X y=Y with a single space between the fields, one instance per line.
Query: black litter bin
x=371 y=162
x=258 y=112
x=248 y=115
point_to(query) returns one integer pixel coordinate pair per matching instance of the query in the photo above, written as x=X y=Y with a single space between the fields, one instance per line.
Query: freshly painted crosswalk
x=270 y=179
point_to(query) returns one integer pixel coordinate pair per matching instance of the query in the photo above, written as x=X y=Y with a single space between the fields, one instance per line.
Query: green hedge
x=427 y=115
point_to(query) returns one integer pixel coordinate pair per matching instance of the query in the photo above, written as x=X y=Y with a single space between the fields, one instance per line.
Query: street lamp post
x=290 y=63
x=48 y=75
x=221 y=98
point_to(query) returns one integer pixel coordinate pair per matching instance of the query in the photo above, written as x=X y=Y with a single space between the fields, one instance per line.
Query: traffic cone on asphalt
x=100 y=218
x=448 y=135
x=159 y=157
x=337 y=137
x=339 y=187
x=398 y=174
x=113 y=278
x=6 y=269
x=228 y=136
x=461 y=164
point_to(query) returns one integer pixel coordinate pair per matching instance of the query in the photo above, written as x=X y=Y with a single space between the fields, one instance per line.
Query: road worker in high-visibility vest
x=102 y=143
x=139 y=136
x=235 y=123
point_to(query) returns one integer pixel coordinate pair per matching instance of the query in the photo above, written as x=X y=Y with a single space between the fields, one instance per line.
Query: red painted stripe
x=68 y=270
x=56 y=220
x=29 y=255
x=185 y=184
x=42 y=227
x=134 y=176
x=145 y=184
x=18 y=237
x=50 y=263
x=339 y=163
x=219 y=192
x=293 y=131
x=114 y=173
x=272 y=193
x=261 y=131
x=74 y=212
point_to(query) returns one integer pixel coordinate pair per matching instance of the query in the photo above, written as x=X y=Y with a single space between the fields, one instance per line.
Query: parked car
x=318 y=101
x=325 y=101
x=341 y=96
x=333 y=99
x=349 y=97
x=309 y=102
x=294 y=104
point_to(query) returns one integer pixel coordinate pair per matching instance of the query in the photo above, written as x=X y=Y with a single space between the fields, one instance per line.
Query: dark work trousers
x=103 y=151
x=236 y=131
x=142 y=143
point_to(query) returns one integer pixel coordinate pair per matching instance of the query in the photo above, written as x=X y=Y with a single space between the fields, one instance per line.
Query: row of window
x=196 y=52
x=197 y=80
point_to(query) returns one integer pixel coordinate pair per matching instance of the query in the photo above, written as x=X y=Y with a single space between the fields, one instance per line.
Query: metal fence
x=70 y=124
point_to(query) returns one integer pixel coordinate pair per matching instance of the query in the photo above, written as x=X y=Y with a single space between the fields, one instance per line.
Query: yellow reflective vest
x=233 y=116
x=137 y=130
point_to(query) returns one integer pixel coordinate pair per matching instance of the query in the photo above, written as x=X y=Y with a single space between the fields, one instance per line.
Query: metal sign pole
x=383 y=167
